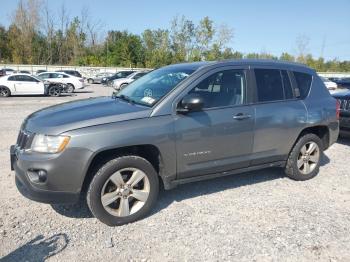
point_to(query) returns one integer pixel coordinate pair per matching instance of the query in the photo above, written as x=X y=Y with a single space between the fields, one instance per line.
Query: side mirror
x=190 y=103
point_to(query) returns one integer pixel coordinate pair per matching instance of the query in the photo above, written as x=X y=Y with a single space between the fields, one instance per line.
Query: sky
x=259 y=26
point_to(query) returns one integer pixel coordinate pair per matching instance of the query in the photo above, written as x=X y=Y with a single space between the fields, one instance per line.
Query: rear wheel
x=124 y=190
x=90 y=81
x=305 y=158
x=4 y=91
x=70 y=88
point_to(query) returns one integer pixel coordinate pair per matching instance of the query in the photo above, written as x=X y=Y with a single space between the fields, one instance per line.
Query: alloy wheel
x=308 y=158
x=4 y=92
x=54 y=91
x=70 y=88
x=125 y=192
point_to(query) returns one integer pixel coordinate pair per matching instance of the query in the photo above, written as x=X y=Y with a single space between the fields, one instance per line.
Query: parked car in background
x=121 y=74
x=343 y=98
x=179 y=124
x=2 y=72
x=120 y=83
x=40 y=71
x=24 y=72
x=25 y=84
x=9 y=71
x=71 y=72
x=72 y=82
x=329 y=84
x=97 y=79
x=343 y=82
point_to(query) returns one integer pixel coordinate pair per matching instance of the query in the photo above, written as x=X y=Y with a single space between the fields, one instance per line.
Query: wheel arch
x=147 y=151
x=322 y=131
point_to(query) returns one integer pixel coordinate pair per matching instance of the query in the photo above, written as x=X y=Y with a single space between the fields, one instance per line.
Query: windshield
x=150 y=88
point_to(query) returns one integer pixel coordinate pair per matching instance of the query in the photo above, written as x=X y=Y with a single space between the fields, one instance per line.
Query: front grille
x=344 y=104
x=24 y=139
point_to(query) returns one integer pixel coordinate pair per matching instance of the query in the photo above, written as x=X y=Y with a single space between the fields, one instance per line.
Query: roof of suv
x=250 y=62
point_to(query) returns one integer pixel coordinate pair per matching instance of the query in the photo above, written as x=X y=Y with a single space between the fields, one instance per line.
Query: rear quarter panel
x=321 y=108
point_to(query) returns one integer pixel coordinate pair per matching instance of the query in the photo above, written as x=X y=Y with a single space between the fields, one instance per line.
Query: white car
x=72 y=82
x=25 y=84
x=120 y=83
x=329 y=84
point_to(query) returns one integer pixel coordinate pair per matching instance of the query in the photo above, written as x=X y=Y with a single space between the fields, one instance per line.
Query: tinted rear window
x=303 y=83
x=269 y=85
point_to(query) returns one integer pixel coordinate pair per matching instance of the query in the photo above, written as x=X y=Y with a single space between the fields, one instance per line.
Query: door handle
x=241 y=116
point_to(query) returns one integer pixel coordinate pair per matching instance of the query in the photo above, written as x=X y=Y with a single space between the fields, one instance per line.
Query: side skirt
x=174 y=183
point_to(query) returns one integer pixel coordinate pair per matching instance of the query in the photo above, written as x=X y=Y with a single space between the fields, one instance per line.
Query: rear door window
x=303 y=82
x=12 y=78
x=24 y=78
x=44 y=76
x=269 y=85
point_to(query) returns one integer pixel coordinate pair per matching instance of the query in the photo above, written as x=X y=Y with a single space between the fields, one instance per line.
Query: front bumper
x=63 y=183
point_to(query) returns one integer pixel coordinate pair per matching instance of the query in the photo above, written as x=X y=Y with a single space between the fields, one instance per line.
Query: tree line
x=37 y=35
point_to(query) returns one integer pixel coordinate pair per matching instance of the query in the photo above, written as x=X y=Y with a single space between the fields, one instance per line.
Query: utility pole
x=107 y=53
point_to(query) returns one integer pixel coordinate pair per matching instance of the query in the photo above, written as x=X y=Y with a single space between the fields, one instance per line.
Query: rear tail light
x=338 y=109
x=81 y=80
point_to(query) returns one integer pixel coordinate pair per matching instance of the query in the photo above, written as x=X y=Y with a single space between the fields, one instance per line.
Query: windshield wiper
x=125 y=98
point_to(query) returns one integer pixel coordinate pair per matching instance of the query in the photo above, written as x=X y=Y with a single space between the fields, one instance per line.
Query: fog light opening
x=37 y=176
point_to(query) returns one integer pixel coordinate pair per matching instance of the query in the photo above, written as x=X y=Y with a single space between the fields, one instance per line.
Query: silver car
x=97 y=79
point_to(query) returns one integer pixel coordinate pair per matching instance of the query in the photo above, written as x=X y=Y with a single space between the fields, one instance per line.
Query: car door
x=220 y=137
x=26 y=84
x=279 y=115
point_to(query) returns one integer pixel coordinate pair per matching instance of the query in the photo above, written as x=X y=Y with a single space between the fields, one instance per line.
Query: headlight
x=49 y=144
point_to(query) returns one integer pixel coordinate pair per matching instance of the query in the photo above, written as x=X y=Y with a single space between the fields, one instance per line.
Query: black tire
x=70 y=88
x=4 y=91
x=54 y=91
x=291 y=169
x=90 y=81
x=103 y=175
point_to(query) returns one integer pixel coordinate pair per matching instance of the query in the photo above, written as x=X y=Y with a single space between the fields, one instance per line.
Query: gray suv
x=178 y=124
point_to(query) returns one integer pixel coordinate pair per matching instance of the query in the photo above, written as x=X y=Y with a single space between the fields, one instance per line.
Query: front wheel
x=90 y=81
x=54 y=91
x=123 y=190
x=305 y=158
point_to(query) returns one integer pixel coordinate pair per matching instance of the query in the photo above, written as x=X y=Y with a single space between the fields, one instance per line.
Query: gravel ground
x=259 y=216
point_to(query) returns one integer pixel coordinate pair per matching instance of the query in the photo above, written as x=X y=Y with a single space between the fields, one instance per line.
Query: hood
x=57 y=119
x=342 y=94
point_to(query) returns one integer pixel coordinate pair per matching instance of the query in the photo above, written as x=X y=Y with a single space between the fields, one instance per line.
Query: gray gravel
x=259 y=216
